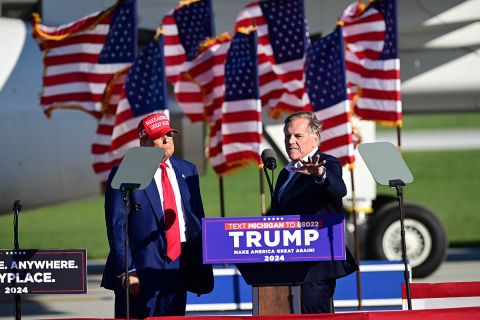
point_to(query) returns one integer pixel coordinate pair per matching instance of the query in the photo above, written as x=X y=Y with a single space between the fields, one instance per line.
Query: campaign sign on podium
x=33 y=271
x=274 y=239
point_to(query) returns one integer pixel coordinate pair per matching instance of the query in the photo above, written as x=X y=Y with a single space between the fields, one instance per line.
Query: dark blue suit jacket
x=147 y=242
x=304 y=196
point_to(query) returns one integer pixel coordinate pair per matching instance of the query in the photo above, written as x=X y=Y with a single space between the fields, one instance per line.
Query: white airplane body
x=45 y=161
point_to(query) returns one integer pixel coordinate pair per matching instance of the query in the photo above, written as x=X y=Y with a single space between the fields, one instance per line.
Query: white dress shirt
x=178 y=197
x=290 y=168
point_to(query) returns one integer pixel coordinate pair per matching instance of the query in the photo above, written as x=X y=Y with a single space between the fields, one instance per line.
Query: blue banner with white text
x=274 y=239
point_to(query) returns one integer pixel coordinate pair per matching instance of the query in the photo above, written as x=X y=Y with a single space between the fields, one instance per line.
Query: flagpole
x=222 y=197
x=262 y=192
x=356 y=240
x=399 y=138
x=222 y=204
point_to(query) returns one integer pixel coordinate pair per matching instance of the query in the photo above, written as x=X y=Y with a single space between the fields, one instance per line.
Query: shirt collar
x=169 y=163
x=298 y=164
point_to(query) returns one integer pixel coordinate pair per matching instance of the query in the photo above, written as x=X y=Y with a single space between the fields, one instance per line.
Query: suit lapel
x=188 y=215
x=154 y=197
x=281 y=180
x=182 y=185
x=290 y=188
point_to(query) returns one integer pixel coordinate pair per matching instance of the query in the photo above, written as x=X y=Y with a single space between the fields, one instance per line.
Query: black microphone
x=269 y=159
x=17 y=205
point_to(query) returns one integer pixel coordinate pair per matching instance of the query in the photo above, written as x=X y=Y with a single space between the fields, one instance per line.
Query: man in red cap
x=165 y=252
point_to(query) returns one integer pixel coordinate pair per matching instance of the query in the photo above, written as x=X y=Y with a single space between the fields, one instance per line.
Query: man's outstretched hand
x=313 y=166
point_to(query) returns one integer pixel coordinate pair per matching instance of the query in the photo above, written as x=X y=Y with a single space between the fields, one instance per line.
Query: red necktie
x=171 y=219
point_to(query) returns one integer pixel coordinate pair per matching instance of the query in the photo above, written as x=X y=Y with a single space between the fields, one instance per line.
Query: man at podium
x=312 y=183
x=165 y=252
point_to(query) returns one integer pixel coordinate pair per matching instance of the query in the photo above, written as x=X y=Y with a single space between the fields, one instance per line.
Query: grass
x=241 y=192
x=438 y=121
x=72 y=225
x=445 y=182
x=448 y=183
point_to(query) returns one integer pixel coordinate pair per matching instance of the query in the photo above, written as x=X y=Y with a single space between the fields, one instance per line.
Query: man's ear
x=146 y=143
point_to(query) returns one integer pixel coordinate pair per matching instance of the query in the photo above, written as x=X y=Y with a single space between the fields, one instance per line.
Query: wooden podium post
x=276 y=286
x=271 y=300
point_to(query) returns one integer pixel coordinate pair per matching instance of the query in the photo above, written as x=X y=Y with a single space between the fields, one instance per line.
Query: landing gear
x=425 y=237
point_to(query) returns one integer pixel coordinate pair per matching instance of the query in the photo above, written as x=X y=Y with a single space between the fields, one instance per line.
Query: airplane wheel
x=425 y=237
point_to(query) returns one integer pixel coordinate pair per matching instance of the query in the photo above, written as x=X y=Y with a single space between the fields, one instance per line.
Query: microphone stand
x=17 y=206
x=270 y=181
x=292 y=291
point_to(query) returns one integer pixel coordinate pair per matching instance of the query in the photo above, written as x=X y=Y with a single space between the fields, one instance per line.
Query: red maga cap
x=154 y=126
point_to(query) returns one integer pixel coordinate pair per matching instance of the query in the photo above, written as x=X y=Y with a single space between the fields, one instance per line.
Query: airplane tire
x=425 y=237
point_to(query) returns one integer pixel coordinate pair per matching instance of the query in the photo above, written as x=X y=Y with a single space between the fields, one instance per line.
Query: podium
x=276 y=286
x=276 y=254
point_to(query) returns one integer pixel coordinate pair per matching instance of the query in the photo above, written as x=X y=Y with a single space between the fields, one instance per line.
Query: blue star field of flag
x=325 y=71
x=388 y=9
x=146 y=85
x=121 y=44
x=241 y=75
x=286 y=28
x=195 y=24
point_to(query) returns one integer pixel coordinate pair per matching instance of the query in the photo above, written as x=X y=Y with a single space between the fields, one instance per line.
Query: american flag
x=80 y=57
x=186 y=27
x=373 y=64
x=208 y=70
x=241 y=109
x=131 y=95
x=327 y=89
x=282 y=39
